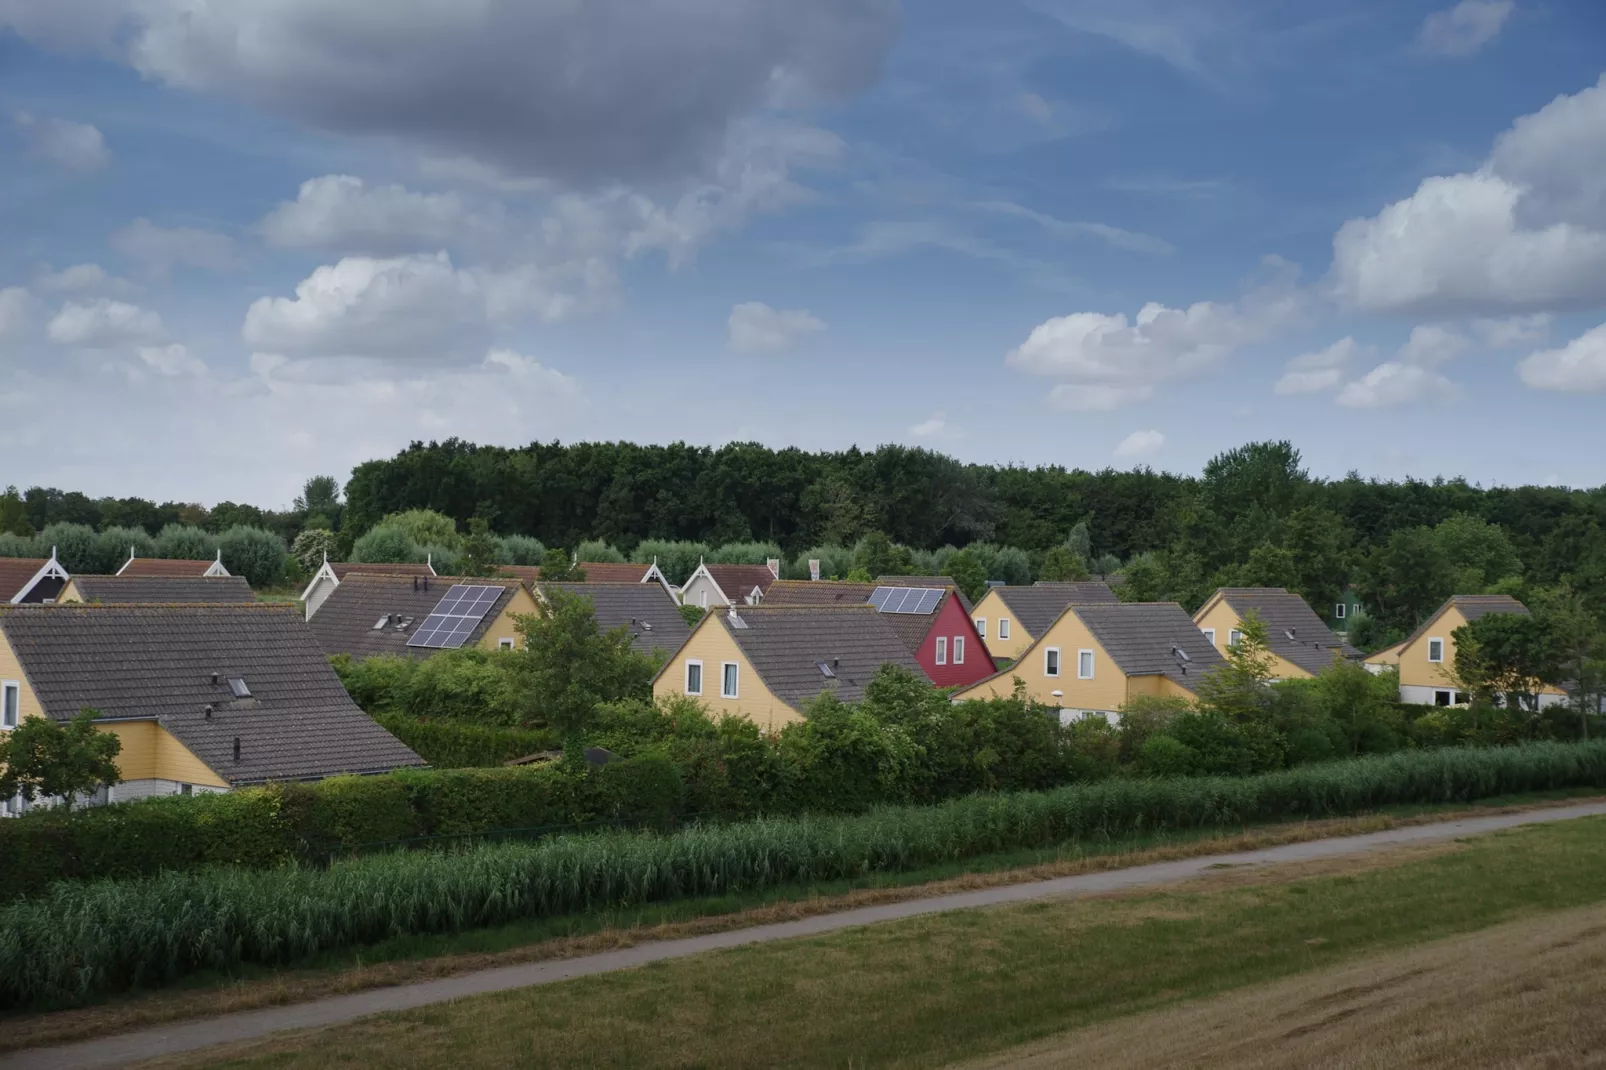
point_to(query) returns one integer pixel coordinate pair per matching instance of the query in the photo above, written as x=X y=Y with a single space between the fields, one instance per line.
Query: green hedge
x=86 y=938
x=459 y=745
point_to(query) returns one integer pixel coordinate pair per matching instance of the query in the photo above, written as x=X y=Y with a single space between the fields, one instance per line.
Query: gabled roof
x=925 y=581
x=1037 y=607
x=342 y=569
x=1472 y=607
x=785 y=646
x=817 y=593
x=1313 y=646
x=738 y=581
x=345 y=622
x=646 y=608
x=1142 y=639
x=165 y=566
x=19 y=575
x=156 y=590
x=157 y=662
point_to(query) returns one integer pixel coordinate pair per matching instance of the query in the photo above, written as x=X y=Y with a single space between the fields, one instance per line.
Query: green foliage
x=521 y=550
x=1080 y=540
x=598 y=551
x=1062 y=564
x=1508 y=658
x=74 y=544
x=1240 y=689
x=425 y=527
x=256 y=554
x=14 y=514
x=967 y=571
x=44 y=758
x=113 y=544
x=878 y=555
x=312 y=547
x=744 y=553
x=462 y=686
x=21 y=546
x=835 y=562
x=567 y=668
x=320 y=495
x=480 y=553
x=692 y=614
x=1479 y=554
x=558 y=567
x=677 y=560
x=186 y=542
x=1406 y=578
x=386 y=543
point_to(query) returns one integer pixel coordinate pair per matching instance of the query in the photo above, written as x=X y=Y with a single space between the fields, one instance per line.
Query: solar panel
x=928 y=601
x=879 y=596
x=912 y=600
x=455 y=617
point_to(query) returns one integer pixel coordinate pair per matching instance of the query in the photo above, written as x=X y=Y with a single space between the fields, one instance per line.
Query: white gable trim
x=217 y=568
x=49 y=569
x=654 y=573
x=325 y=573
x=702 y=570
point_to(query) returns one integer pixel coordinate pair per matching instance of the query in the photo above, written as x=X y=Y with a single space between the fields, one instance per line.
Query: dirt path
x=1526 y=994
x=189 y=1036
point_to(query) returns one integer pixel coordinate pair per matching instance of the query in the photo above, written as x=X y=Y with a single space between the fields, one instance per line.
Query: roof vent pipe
x=214 y=679
x=236 y=748
x=415 y=583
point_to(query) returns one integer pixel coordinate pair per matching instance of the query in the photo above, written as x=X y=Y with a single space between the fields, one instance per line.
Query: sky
x=242 y=244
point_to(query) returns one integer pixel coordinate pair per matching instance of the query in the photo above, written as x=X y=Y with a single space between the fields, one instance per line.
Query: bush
x=185 y=542
x=744 y=553
x=74 y=545
x=113 y=544
x=13 y=545
x=676 y=560
x=459 y=745
x=598 y=551
x=386 y=544
x=256 y=554
x=461 y=686
x=312 y=547
x=521 y=550
x=425 y=527
x=835 y=562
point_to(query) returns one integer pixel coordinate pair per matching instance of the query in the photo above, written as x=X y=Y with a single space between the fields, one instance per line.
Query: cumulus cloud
x=609 y=89
x=933 y=426
x=1432 y=344
x=171 y=360
x=1512 y=330
x=19 y=310
x=1109 y=361
x=345 y=214
x=531 y=372
x=1578 y=366
x=80 y=278
x=1311 y=373
x=105 y=324
x=1524 y=233
x=1138 y=445
x=755 y=327
x=1465 y=28
x=1392 y=384
x=74 y=146
x=160 y=249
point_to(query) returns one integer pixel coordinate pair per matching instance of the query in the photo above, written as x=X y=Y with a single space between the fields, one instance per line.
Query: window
x=1339 y=610
x=942 y=650
x=1084 y=664
x=694 y=678
x=186 y=789
x=1233 y=636
x=727 y=679
x=1435 y=649
x=381 y=622
x=10 y=701
x=1443 y=698
x=1210 y=635
x=237 y=687
x=981 y=626
x=702 y=598
x=505 y=643
x=1051 y=661
x=1003 y=627
x=959 y=650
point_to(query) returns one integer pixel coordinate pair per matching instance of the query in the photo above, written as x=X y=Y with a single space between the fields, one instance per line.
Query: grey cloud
x=160 y=249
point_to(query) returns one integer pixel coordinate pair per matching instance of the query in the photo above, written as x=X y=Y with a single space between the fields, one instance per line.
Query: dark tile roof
x=596 y=571
x=646 y=608
x=1313 y=647
x=785 y=645
x=817 y=593
x=17 y=571
x=342 y=569
x=925 y=581
x=1140 y=637
x=149 y=590
x=344 y=624
x=738 y=581
x=1472 y=607
x=157 y=662
x=1038 y=606
x=165 y=566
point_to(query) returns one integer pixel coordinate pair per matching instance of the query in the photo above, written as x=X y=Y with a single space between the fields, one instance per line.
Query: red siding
x=952 y=620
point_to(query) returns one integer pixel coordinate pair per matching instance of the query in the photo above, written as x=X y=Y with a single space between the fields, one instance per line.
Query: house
x=330 y=573
x=1010 y=619
x=603 y=572
x=171 y=566
x=414 y=616
x=933 y=621
x=1426 y=660
x=203 y=698
x=148 y=590
x=727 y=585
x=647 y=609
x=1095 y=658
x=31 y=579
x=766 y=663
x=1346 y=609
x=1301 y=644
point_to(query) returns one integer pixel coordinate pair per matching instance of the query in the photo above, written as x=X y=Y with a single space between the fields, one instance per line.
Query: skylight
x=237 y=687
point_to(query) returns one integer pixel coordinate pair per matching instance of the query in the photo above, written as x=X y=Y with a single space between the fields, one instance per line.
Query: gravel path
x=188 y=1036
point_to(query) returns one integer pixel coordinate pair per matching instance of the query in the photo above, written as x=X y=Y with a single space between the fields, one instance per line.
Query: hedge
x=457 y=745
x=86 y=938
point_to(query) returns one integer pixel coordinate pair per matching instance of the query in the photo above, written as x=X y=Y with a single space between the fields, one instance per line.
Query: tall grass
x=85 y=938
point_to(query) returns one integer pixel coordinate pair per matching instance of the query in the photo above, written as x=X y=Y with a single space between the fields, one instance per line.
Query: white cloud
x=1110 y=361
x=105 y=324
x=82 y=278
x=1523 y=233
x=755 y=327
x=160 y=249
x=1513 y=330
x=1465 y=28
x=74 y=146
x=528 y=370
x=345 y=214
x=1392 y=384
x=1138 y=445
x=171 y=360
x=1578 y=366
x=1311 y=373
x=1432 y=344
x=18 y=311
x=933 y=426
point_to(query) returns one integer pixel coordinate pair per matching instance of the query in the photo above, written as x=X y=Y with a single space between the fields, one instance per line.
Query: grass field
x=950 y=987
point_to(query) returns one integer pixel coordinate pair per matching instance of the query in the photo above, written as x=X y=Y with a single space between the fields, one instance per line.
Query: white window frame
x=730 y=670
x=1055 y=671
x=1210 y=635
x=942 y=650
x=1436 y=660
x=505 y=643
x=1003 y=627
x=959 y=650
x=1234 y=637
x=1339 y=609
x=981 y=626
x=686 y=680
x=702 y=597
x=1081 y=657
x=9 y=688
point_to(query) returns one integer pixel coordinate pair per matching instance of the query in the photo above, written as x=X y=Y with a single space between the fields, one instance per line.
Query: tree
x=1320 y=544
x=479 y=553
x=558 y=567
x=1080 y=541
x=1478 y=553
x=425 y=527
x=1263 y=475
x=255 y=554
x=1406 y=578
x=312 y=546
x=1062 y=564
x=879 y=556
x=1508 y=659
x=1240 y=690
x=1580 y=650
x=386 y=543
x=44 y=758
x=113 y=544
x=1268 y=566
x=186 y=542
x=968 y=573
x=320 y=494
x=14 y=514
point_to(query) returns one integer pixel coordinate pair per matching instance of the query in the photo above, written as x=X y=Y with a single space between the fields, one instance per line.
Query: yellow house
x=1301 y=644
x=1097 y=658
x=417 y=615
x=1010 y=619
x=766 y=663
x=203 y=697
x=1426 y=660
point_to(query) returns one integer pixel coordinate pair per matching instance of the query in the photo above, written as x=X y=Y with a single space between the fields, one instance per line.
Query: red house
x=933 y=622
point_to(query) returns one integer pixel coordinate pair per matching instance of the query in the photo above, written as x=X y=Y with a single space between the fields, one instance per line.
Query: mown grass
x=931 y=990
x=85 y=938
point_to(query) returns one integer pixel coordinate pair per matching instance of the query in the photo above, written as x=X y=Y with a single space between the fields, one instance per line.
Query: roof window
x=237 y=687
x=381 y=622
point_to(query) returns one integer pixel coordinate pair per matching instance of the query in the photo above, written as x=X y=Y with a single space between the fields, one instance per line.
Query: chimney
x=214 y=679
x=775 y=567
x=814 y=569
x=415 y=583
x=236 y=748
x=207 y=713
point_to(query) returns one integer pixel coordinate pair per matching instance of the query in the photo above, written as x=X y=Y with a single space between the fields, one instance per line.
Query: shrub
x=521 y=550
x=676 y=560
x=425 y=527
x=835 y=562
x=13 y=545
x=460 y=745
x=113 y=544
x=74 y=545
x=744 y=553
x=386 y=544
x=185 y=542
x=312 y=546
x=597 y=550
x=256 y=554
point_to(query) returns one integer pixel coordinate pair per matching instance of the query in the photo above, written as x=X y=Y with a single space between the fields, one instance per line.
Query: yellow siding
x=1389 y=656
x=991 y=607
x=504 y=626
x=1219 y=615
x=1415 y=668
x=712 y=644
x=69 y=593
x=11 y=670
x=150 y=752
x=1106 y=691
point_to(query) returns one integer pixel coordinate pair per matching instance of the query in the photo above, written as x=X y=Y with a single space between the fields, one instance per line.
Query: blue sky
x=253 y=242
